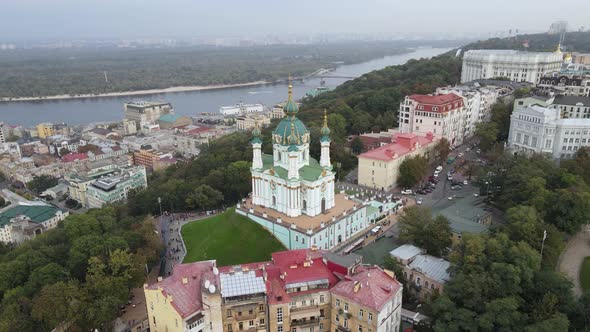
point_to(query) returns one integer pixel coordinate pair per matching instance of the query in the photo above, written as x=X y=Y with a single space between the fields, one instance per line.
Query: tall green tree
x=417 y=226
x=411 y=171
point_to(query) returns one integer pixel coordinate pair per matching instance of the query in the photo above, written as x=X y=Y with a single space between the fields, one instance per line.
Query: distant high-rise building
x=45 y=130
x=3 y=132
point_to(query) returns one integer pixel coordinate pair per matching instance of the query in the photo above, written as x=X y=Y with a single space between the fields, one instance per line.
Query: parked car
x=456 y=187
x=450 y=198
x=455 y=182
x=419 y=201
x=460 y=155
x=406 y=192
x=465 y=182
x=439 y=168
x=452 y=171
x=421 y=192
x=468 y=149
x=432 y=179
x=449 y=178
x=478 y=151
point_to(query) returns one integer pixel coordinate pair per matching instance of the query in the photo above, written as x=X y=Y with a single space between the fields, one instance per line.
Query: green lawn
x=229 y=238
x=585 y=274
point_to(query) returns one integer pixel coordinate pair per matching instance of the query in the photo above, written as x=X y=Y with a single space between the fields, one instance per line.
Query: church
x=294 y=196
x=289 y=180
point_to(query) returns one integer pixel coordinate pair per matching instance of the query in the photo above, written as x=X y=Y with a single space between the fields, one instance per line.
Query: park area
x=229 y=238
x=585 y=275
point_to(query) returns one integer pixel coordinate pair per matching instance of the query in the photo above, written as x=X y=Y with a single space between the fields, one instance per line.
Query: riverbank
x=136 y=93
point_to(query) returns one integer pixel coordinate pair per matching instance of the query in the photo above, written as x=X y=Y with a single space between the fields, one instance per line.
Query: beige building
x=45 y=130
x=581 y=58
x=379 y=168
x=294 y=292
x=426 y=274
x=144 y=112
x=248 y=121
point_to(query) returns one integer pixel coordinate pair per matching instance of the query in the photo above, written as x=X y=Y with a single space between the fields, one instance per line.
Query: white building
x=241 y=109
x=538 y=129
x=4 y=132
x=443 y=115
x=569 y=85
x=23 y=221
x=144 y=112
x=518 y=66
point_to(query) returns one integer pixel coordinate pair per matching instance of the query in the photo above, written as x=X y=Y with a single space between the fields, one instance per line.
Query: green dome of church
x=284 y=128
x=290 y=108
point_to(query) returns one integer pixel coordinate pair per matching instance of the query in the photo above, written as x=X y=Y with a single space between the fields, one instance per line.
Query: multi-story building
x=581 y=58
x=4 y=132
x=45 y=130
x=571 y=106
x=25 y=220
x=569 y=85
x=379 y=168
x=153 y=160
x=171 y=121
x=515 y=65
x=426 y=273
x=241 y=109
x=248 y=121
x=146 y=112
x=300 y=290
x=444 y=116
x=79 y=181
x=116 y=186
x=539 y=129
x=277 y=111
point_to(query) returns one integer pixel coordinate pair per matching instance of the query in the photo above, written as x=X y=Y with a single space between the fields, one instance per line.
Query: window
x=239 y=313
x=370 y=317
x=154 y=318
x=251 y=323
x=293 y=303
x=345 y=306
x=229 y=328
x=261 y=308
x=280 y=329
x=345 y=322
x=293 y=329
x=250 y=312
x=312 y=302
x=280 y=316
x=303 y=303
x=321 y=326
x=261 y=321
x=240 y=326
x=228 y=313
x=338 y=303
x=360 y=329
x=361 y=313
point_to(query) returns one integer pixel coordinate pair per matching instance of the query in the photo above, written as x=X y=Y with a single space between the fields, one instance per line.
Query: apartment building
x=153 y=160
x=248 y=121
x=569 y=85
x=116 y=186
x=426 y=273
x=379 y=168
x=45 y=130
x=144 y=112
x=444 y=116
x=295 y=291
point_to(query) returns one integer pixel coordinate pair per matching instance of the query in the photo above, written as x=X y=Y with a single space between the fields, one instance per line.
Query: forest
x=47 y=72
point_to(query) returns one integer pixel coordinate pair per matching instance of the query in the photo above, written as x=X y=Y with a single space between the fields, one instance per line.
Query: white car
x=406 y=192
x=468 y=149
x=460 y=155
x=439 y=168
x=450 y=198
x=464 y=181
x=419 y=201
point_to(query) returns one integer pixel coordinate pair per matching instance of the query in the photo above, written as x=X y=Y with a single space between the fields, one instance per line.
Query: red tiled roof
x=186 y=298
x=403 y=144
x=73 y=156
x=198 y=130
x=444 y=103
x=375 y=287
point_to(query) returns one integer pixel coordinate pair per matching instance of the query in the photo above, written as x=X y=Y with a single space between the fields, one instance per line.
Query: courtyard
x=229 y=238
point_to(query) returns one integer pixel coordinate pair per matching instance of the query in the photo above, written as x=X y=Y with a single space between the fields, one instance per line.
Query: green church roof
x=283 y=129
x=311 y=173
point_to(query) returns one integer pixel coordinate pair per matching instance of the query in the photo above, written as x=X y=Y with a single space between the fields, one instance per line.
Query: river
x=81 y=111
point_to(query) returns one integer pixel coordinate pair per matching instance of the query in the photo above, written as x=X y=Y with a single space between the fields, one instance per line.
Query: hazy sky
x=185 y=18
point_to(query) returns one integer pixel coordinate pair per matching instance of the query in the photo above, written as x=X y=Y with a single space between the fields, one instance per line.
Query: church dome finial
x=256 y=133
x=325 y=130
x=290 y=107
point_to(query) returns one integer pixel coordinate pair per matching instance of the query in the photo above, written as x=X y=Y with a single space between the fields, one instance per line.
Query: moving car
x=449 y=178
x=406 y=192
x=439 y=168
x=419 y=201
x=456 y=187
x=468 y=149
x=460 y=155
x=465 y=182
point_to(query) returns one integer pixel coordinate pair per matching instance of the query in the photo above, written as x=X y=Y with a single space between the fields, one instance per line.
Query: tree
x=204 y=198
x=411 y=171
x=356 y=145
x=417 y=226
x=63 y=151
x=487 y=132
x=57 y=303
x=441 y=150
x=41 y=183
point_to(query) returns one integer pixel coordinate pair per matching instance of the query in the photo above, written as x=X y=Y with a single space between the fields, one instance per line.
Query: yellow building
x=379 y=168
x=297 y=291
x=45 y=130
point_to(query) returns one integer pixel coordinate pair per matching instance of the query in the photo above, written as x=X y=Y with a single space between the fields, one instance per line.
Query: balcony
x=305 y=308
x=342 y=329
x=305 y=322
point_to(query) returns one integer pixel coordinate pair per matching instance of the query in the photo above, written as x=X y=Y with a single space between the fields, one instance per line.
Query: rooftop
x=73 y=156
x=464 y=215
x=509 y=52
x=36 y=211
x=572 y=100
x=434 y=267
x=369 y=286
x=305 y=222
x=436 y=99
x=170 y=118
x=241 y=283
x=311 y=172
x=402 y=145
x=187 y=297
x=406 y=252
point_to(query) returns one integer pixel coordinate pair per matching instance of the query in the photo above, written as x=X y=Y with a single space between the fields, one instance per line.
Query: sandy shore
x=138 y=92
